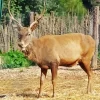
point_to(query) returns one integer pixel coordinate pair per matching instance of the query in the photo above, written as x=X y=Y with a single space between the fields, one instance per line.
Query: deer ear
x=34 y=25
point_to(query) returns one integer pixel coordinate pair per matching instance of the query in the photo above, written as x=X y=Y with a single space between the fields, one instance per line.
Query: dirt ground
x=23 y=84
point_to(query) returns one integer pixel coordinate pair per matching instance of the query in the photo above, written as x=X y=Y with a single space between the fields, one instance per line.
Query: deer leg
x=43 y=76
x=86 y=67
x=54 y=67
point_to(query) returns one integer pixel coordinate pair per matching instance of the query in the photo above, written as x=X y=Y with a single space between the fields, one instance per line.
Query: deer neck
x=33 y=50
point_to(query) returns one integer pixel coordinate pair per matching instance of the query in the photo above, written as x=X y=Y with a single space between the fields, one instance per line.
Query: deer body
x=51 y=51
x=65 y=49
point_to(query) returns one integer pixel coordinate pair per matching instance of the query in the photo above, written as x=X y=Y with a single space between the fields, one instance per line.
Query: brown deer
x=51 y=51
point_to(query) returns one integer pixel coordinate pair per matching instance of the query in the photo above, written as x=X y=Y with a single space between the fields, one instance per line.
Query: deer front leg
x=43 y=76
x=54 y=68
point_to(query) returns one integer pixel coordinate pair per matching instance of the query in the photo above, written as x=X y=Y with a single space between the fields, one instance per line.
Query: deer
x=52 y=51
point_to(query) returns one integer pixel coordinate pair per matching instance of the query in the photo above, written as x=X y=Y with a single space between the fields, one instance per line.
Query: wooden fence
x=62 y=25
x=47 y=25
x=8 y=38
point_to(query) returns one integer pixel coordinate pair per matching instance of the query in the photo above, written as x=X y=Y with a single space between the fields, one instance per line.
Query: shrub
x=15 y=59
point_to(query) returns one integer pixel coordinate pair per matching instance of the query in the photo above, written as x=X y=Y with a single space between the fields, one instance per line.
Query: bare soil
x=23 y=84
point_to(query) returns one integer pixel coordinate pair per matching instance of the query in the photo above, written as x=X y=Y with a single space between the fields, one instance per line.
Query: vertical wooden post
x=31 y=17
x=91 y=26
x=95 y=34
x=5 y=38
x=52 y=22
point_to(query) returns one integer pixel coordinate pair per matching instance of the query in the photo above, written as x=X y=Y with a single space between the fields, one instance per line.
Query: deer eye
x=29 y=34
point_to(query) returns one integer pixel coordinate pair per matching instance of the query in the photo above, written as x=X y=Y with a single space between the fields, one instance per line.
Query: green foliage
x=60 y=7
x=21 y=9
x=73 y=7
x=24 y=6
x=94 y=2
x=15 y=59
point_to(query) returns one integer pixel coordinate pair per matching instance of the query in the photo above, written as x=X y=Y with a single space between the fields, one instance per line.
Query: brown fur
x=64 y=49
x=50 y=51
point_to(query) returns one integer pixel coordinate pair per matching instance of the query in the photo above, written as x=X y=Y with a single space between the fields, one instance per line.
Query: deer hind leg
x=85 y=65
x=43 y=76
x=54 y=67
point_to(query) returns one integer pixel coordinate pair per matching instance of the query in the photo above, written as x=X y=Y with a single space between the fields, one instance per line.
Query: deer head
x=25 y=35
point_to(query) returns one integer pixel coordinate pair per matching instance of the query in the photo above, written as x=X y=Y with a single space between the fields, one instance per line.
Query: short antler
x=11 y=16
x=40 y=16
